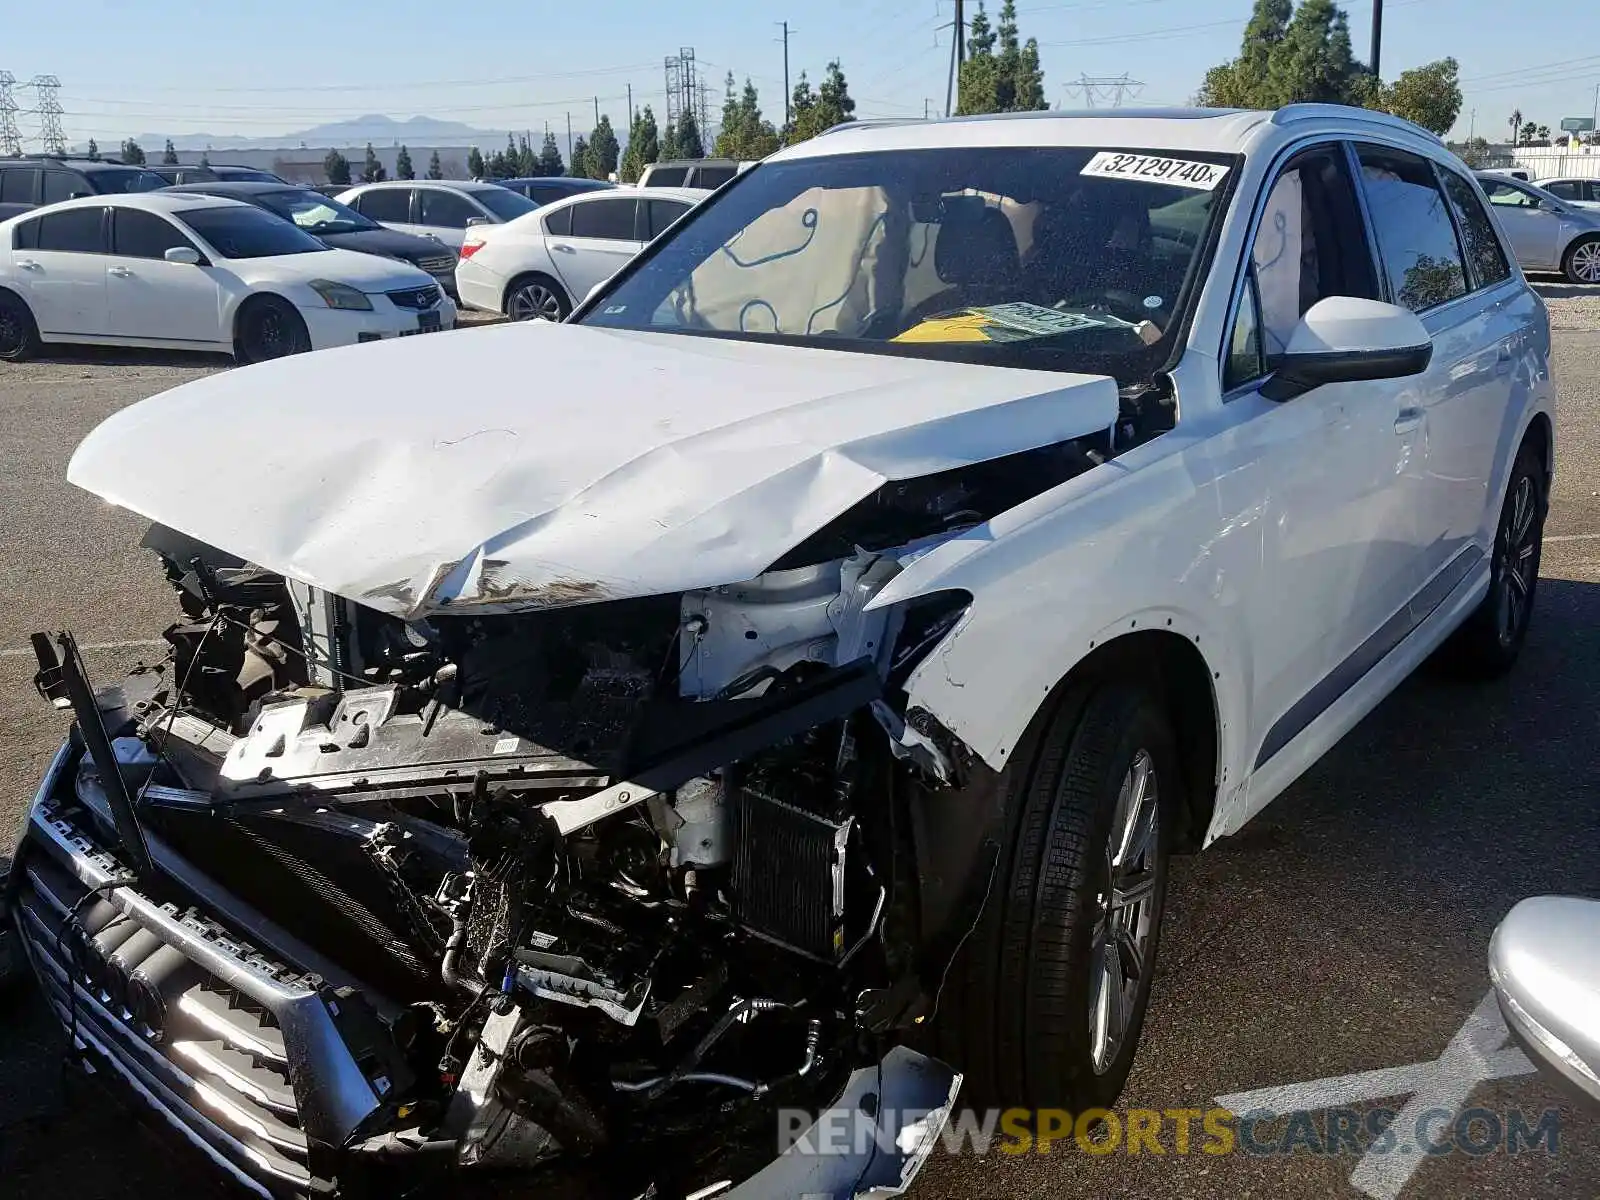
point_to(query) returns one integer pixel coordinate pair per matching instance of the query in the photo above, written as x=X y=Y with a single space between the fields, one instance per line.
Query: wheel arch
x=1542 y=435
x=1183 y=682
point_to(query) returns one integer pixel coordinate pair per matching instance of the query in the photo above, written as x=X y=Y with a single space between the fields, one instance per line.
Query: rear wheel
x=1047 y=999
x=1488 y=642
x=535 y=297
x=1581 y=263
x=19 y=334
x=268 y=327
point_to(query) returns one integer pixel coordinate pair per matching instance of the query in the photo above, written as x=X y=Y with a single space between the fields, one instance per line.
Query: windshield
x=504 y=203
x=1059 y=258
x=239 y=231
x=315 y=213
x=108 y=182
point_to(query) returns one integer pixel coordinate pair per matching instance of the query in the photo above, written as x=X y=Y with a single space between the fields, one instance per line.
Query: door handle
x=565 y=249
x=28 y=264
x=120 y=272
x=1408 y=419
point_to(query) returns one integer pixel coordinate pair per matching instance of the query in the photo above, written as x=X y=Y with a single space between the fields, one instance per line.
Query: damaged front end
x=602 y=894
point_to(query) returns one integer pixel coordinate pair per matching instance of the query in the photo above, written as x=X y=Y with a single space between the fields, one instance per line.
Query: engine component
x=789 y=870
x=704 y=839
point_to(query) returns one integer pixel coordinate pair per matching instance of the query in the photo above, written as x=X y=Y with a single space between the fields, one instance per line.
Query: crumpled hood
x=538 y=465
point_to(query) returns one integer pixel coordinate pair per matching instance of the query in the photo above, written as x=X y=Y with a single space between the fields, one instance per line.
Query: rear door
x=1533 y=230
x=149 y=297
x=603 y=236
x=444 y=214
x=1446 y=419
x=387 y=206
x=60 y=265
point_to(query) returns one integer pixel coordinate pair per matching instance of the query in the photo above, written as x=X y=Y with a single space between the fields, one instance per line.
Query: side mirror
x=187 y=255
x=1344 y=339
x=1544 y=960
x=471 y=221
x=593 y=292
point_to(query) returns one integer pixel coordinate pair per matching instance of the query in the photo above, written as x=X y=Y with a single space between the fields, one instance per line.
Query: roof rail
x=1290 y=113
x=871 y=123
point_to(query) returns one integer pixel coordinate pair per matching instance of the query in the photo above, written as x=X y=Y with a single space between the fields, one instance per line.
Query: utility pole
x=961 y=35
x=1377 y=35
x=569 y=140
x=597 y=112
x=958 y=55
x=1472 y=126
x=630 y=110
x=785 y=40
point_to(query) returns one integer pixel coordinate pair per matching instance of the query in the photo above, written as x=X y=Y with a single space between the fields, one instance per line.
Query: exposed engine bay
x=631 y=875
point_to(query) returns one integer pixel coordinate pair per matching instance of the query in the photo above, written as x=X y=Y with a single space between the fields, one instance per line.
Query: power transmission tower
x=48 y=106
x=683 y=88
x=1110 y=90
x=10 y=135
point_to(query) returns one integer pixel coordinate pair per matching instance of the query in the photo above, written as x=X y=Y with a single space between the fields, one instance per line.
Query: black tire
x=1489 y=641
x=1581 y=263
x=268 y=327
x=19 y=333
x=531 y=296
x=1015 y=1013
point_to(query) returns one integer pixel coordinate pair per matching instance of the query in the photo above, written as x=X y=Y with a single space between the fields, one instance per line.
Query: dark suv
x=29 y=182
x=213 y=173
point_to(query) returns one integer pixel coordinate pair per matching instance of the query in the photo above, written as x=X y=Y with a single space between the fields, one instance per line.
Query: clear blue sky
x=249 y=67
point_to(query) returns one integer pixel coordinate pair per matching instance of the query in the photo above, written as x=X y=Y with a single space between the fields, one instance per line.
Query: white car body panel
x=522 y=247
x=703 y=462
x=1313 y=551
x=449 y=235
x=127 y=300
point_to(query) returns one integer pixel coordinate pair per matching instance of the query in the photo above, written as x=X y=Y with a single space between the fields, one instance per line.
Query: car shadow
x=1556 y=287
x=123 y=356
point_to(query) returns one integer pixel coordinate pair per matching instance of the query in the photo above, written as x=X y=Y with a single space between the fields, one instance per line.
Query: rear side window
x=445 y=210
x=1567 y=189
x=611 y=219
x=139 y=234
x=73 y=231
x=26 y=236
x=667 y=177
x=385 y=204
x=713 y=177
x=1484 y=253
x=16 y=185
x=1416 y=237
x=559 y=223
x=62 y=185
x=664 y=213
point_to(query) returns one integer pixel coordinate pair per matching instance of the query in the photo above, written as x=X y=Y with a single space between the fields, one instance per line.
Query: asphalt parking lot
x=1343 y=932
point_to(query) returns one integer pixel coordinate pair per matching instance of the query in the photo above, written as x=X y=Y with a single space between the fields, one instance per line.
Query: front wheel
x=1581 y=263
x=269 y=328
x=1046 y=1001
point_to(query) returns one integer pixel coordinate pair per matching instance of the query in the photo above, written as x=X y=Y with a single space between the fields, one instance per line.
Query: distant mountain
x=376 y=128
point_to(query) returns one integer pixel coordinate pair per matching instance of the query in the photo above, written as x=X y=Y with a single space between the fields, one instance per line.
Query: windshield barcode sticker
x=1182 y=172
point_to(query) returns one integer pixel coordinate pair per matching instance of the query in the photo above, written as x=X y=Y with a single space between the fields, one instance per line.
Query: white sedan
x=195 y=272
x=544 y=264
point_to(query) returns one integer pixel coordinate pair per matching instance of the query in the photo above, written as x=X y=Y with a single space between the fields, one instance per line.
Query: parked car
x=441 y=208
x=1521 y=173
x=824 y=638
x=339 y=225
x=1544 y=960
x=26 y=183
x=1577 y=191
x=197 y=272
x=1546 y=233
x=540 y=265
x=545 y=189
x=179 y=173
x=708 y=173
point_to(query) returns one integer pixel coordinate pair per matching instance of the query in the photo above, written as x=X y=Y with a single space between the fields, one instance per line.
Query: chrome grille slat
x=418 y=298
x=234 y=1068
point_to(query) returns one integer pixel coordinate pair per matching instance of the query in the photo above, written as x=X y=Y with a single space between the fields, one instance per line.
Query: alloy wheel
x=1586 y=262
x=1518 y=547
x=535 y=300
x=12 y=334
x=1123 y=927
